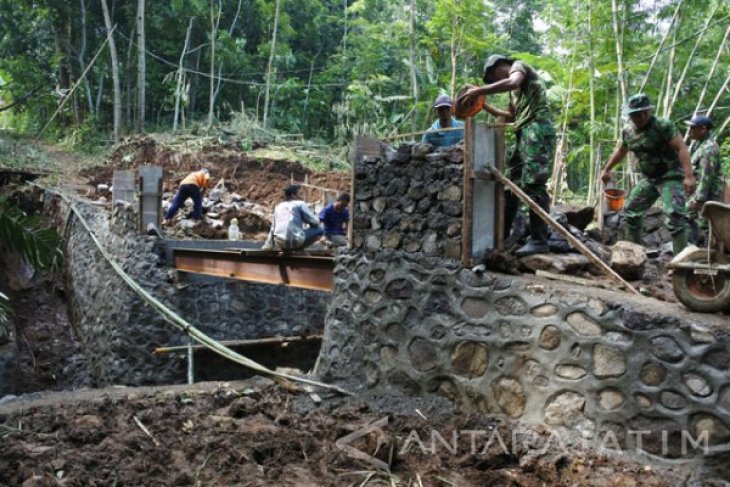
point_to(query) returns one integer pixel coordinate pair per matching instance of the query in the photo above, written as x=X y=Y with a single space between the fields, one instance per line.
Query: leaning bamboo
x=180 y=323
x=545 y=216
x=680 y=82
x=722 y=89
x=242 y=343
x=83 y=75
x=661 y=44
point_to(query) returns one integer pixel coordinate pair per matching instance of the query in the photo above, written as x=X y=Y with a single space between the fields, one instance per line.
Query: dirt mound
x=261 y=180
x=258 y=435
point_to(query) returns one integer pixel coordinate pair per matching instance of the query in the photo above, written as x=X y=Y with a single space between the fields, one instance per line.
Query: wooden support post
x=577 y=244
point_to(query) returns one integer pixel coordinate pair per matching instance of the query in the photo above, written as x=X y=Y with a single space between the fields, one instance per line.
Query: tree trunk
x=412 y=60
x=115 y=73
x=619 y=51
x=661 y=44
x=141 y=66
x=100 y=91
x=690 y=58
x=722 y=89
x=670 y=74
x=211 y=92
x=269 y=67
x=82 y=54
x=180 y=78
x=592 y=93
x=129 y=106
x=235 y=17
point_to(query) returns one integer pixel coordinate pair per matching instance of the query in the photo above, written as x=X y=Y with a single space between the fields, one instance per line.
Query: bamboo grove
x=331 y=69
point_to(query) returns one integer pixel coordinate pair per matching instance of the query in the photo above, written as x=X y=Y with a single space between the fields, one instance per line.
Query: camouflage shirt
x=707 y=170
x=530 y=100
x=656 y=159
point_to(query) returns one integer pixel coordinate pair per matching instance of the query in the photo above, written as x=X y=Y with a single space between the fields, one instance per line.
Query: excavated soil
x=256 y=434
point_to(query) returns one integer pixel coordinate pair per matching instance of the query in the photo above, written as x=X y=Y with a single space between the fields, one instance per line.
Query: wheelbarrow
x=701 y=276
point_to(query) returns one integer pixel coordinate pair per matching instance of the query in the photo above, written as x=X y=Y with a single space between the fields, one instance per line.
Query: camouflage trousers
x=643 y=196
x=530 y=167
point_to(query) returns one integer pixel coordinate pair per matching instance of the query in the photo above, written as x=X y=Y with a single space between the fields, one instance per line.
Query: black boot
x=533 y=247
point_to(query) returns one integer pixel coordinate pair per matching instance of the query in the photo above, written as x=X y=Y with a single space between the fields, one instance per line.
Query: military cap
x=492 y=61
x=638 y=103
x=699 y=120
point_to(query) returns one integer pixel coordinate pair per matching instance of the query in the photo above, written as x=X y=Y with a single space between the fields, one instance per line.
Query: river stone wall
x=119 y=330
x=529 y=349
x=409 y=199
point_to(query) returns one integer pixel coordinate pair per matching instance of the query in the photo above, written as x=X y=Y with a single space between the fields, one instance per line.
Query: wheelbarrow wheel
x=701 y=292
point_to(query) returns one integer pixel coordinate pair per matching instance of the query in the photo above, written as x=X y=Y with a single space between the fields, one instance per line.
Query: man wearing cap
x=436 y=134
x=535 y=148
x=664 y=164
x=287 y=225
x=708 y=171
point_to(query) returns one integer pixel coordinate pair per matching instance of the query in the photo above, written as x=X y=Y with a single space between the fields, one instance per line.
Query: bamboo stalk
x=242 y=343
x=545 y=216
x=690 y=58
x=719 y=93
x=183 y=325
x=661 y=44
x=78 y=81
x=450 y=129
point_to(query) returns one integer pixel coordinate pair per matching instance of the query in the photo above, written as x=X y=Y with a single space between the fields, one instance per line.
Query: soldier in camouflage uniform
x=708 y=171
x=535 y=148
x=664 y=163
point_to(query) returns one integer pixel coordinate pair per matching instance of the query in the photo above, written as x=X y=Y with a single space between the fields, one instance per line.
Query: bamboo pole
x=661 y=44
x=183 y=325
x=242 y=343
x=680 y=82
x=577 y=244
x=719 y=93
x=592 y=92
x=73 y=88
x=450 y=129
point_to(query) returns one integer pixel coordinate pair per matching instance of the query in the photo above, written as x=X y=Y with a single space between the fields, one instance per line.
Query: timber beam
x=282 y=268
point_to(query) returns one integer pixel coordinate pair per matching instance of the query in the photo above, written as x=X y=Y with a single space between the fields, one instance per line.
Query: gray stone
x=403 y=381
x=697 y=384
x=399 y=289
x=583 y=324
x=373 y=296
x=549 y=338
x=544 y=310
x=376 y=275
x=711 y=426
x=511 y=305
x=429 y=243
x=628 y=260
x=372 y=242
x=388 y=355
x=422 y=354
x=653 y=374
x=409 y=207
x=475 y=307
x=569 y=371
x=451 y=193
x=563 y=263
x=452 y=249
x=395 y=332
x=724 y=400
x=700 y=334
x=565 y=409
x=453 y=229
x=643 y=401
x=610 y=399
x=375 y=223
x=665 y=435
x=667 y=349
x=412 y=246
x=608 y=361
x=510 y=396
x=672 y=400
x=470 y=359
x=392 y=240
x=372 y=374
x=421 y=150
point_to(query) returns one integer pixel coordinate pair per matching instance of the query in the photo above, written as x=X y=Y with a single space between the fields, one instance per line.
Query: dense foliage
x=330 y=70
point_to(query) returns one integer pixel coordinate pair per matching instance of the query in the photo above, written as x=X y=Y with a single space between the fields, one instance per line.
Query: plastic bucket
x=464 y=109
x=615 y=199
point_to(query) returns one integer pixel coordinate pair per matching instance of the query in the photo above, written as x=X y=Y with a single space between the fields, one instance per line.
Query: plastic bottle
x=233 y=232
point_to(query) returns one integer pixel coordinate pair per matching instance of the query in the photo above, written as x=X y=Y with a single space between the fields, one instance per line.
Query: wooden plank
x=577 y=244
x=466 y=227
x=296 y=271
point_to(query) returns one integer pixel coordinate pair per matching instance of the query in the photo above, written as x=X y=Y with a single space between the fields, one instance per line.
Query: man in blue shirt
x=334 y=217
x=438 y=137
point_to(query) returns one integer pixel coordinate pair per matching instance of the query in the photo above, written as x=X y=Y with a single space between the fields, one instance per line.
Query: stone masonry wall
x=409 y=199
x=119 y=330
x=529 y=349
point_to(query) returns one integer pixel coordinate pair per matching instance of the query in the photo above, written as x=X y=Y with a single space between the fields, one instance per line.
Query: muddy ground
x=256 y=434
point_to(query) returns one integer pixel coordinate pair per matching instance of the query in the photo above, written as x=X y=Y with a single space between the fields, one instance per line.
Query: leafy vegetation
x=24 y=234
x=326 y=71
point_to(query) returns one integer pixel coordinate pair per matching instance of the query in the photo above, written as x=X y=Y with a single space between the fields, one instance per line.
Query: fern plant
x=39 y=246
